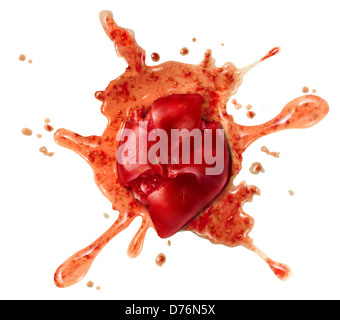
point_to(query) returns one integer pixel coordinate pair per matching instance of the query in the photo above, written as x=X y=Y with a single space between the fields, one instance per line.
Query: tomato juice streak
x=271 y=53
x=223 y=221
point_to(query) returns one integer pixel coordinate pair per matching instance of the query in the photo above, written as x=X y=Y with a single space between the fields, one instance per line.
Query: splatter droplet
x=256 y=168
x=155 y=56
x=236 y=104
x=251 y=114
x=270 y=153
x=48 y=127
x=184 y=51
x=26 y=132
x=160 y=259
x=44 y=151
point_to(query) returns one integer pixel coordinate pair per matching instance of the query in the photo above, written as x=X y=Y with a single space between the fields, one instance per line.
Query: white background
x=50 y=207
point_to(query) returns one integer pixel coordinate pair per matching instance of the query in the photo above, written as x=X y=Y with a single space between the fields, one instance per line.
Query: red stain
x=223 y=221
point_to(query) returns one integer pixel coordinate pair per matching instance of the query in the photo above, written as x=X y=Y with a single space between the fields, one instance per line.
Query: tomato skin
x=172 y=206
x=189 y=191
x=175 y=192
x=132 y=169
x=179 y=111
